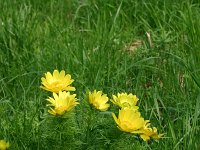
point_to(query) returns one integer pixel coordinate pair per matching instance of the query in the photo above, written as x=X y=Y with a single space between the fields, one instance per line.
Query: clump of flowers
x=99 y=100
x=57 y=82
x=129 y=118
x=62 y=102
x=4 y=145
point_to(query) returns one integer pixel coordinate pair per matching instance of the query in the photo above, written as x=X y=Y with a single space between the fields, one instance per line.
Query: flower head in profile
x=147 y=133
x=129 y=120
x=99 y=100
x=62 y=102
x=125 y=100
x=4 y=145
x=57 y=82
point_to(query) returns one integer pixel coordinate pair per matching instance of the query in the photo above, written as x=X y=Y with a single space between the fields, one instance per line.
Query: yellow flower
x=4 y=145
x=125 y=100
x=57 y=82
x=150 y=132
x=99 y=100
x=129 y=120
x=146 y=132
x=62 y=102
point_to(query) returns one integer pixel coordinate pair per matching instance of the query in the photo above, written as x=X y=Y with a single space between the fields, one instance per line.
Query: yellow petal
x=56 y=74
x=104 y=107
x=115 y=118
x=62 y=74
x=145 y=137
x=48 y=76
x=69 y=88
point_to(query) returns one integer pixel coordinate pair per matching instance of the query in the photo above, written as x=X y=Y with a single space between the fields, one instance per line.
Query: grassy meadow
x=150 y=48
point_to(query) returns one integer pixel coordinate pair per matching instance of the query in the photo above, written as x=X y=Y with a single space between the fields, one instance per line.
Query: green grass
x=87 y=39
